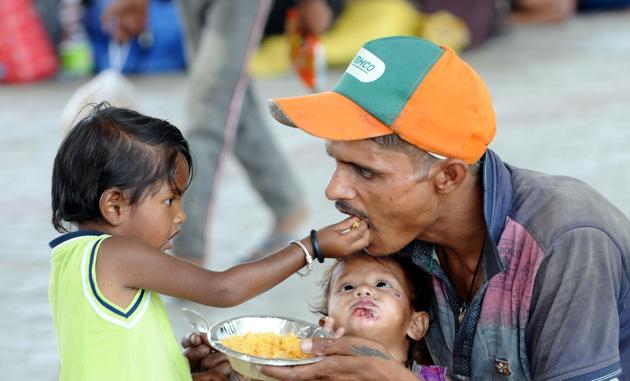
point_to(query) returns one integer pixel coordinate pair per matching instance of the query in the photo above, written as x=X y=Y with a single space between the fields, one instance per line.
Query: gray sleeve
x=573 y=328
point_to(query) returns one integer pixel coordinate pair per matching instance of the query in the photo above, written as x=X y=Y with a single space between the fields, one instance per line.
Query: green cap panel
x=384 y=74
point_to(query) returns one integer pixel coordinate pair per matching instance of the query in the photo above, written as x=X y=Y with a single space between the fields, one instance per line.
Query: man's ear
x=419 y=325
x=448 y=174
x=113 y=205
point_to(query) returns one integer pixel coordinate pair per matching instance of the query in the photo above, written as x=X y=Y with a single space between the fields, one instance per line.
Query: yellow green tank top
x=98 y=340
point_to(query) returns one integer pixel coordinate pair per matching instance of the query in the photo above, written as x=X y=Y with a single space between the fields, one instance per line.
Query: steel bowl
x=246 y=364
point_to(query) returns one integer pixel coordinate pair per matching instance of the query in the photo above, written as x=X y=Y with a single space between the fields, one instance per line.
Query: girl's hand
x=343 y=238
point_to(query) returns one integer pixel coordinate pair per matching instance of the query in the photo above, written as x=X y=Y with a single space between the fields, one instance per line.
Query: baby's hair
x=418 y=280
x=113 y=147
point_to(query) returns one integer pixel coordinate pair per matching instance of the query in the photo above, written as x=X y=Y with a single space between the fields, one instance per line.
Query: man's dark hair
x=113 y=147
x=421 y=159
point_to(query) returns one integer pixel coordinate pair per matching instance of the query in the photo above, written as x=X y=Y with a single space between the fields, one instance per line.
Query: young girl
x=119 y=177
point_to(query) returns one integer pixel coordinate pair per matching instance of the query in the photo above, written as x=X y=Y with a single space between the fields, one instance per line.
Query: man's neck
x=461 y=227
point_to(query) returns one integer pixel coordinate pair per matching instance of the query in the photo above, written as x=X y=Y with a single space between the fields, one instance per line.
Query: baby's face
x=370 y=298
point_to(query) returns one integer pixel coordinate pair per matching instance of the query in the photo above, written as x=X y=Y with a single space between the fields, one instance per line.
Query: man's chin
x=376 y=250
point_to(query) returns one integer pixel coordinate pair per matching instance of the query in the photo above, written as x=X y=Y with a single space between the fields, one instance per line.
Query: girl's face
x=370 y=298
x=157 y=217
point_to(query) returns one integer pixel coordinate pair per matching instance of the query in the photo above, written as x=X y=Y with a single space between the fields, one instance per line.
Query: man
x=531 y=272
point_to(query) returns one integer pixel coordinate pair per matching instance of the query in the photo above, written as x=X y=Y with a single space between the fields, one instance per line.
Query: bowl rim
x=216 y=343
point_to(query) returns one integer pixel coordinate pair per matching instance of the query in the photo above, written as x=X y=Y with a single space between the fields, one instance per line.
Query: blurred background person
x=550 y=11
x=223 y=113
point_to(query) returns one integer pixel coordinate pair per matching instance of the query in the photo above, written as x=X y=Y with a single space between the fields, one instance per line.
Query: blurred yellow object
x=364 y=20
x=267 y=345
x=361 y=21
x=444 y=28
x=272 y=58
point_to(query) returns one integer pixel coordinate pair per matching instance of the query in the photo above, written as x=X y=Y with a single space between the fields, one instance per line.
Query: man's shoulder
x=548 y=205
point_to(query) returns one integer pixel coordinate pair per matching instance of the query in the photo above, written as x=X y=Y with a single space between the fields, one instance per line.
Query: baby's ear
x=419 y=325
x=112 y=205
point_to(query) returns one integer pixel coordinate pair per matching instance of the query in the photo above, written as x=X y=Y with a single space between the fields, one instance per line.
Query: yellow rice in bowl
x=267 y=345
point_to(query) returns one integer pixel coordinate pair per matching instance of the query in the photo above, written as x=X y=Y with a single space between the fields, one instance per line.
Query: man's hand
x=125 y=19
x=206 y=364
x=347 y=358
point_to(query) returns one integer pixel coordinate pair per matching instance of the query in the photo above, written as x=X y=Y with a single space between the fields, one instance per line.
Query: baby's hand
x=343 y=238
x=328 y=324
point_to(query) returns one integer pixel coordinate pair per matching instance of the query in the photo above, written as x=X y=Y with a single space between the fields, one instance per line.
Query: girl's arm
x=125 y=265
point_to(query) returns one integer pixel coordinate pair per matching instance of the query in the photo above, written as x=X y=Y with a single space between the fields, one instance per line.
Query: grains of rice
x=266 y=344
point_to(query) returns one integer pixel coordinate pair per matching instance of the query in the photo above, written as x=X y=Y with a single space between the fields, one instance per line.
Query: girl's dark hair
x=113 y=147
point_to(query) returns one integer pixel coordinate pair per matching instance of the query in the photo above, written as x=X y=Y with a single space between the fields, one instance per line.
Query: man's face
x=382 y=187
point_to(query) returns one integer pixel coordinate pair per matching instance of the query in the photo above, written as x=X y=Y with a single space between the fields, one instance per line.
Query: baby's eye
x=347 y=287
x=383 y=284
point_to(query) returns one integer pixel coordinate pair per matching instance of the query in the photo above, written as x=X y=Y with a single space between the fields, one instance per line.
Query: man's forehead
x=365 y=153
x=350 y=148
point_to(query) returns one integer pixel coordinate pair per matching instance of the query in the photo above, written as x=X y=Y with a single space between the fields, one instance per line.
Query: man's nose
x=339 y=187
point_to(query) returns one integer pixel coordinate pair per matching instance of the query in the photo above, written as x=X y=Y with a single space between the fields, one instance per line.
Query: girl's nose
x=180 y=217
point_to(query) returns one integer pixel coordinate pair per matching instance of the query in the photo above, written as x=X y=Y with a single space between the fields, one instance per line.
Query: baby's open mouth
x=364 y=313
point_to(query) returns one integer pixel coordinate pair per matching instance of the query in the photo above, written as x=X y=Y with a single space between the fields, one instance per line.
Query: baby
x=383 y=299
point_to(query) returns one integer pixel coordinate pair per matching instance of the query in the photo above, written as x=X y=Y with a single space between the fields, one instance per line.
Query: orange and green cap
x=420 y=91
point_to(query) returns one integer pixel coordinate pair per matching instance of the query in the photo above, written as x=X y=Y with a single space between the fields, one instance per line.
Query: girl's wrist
x=316 y=248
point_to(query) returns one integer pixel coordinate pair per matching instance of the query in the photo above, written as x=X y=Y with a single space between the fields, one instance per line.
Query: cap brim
x=328 y=115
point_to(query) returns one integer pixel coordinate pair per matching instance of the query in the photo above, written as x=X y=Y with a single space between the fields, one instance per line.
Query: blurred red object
x=306 y=53
x=26 y=52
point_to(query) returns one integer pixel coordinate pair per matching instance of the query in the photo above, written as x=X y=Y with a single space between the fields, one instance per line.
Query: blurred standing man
x=222 y=109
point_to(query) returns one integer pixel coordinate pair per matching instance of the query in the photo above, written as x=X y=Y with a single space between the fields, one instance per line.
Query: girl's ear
x=419 y=325
x=113 y=205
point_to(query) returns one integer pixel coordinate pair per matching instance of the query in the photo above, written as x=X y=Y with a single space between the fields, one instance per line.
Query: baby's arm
x=125 y=265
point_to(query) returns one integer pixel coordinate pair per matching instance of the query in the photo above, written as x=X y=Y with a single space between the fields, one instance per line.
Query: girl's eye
x=347 y=287
x=169 y=201
x=383 y=284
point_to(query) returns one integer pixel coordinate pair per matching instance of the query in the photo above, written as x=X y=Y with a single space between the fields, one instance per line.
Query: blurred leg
x=267 y=168
x=222 y=34
x=542 y=11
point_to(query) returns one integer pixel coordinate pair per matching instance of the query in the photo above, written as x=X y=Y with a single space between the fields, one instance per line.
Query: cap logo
x=366 y=67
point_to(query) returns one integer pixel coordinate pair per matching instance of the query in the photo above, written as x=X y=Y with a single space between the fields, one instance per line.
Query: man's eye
x=363 y=172
x=347 y=287
x=383 y=284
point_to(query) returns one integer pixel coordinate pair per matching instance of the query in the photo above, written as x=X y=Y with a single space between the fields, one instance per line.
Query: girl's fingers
x=352 y=224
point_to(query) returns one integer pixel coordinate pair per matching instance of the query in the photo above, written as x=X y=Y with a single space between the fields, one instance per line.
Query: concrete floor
x=562 y=95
